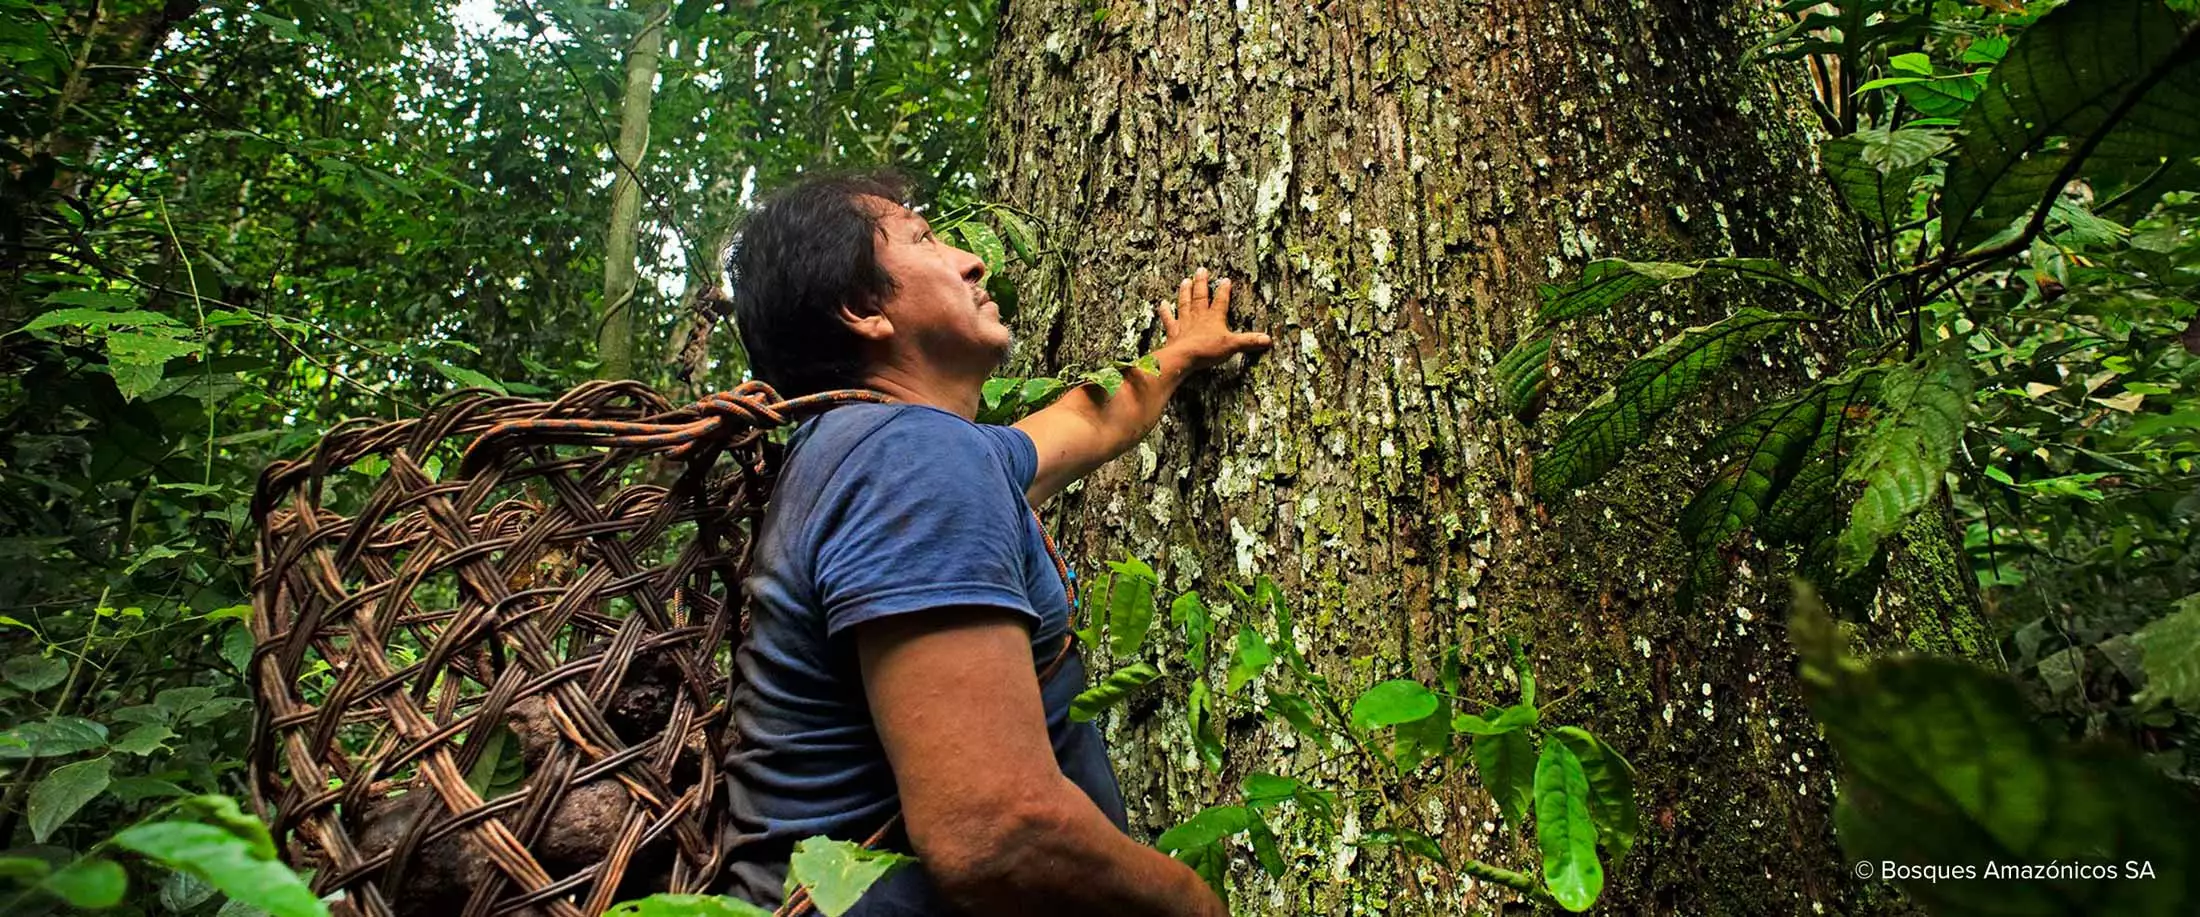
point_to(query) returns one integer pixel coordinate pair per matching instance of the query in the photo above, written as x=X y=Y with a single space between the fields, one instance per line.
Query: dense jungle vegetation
x=226 y=227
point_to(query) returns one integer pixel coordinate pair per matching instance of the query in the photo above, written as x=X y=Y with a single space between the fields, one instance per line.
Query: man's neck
x=955 y=396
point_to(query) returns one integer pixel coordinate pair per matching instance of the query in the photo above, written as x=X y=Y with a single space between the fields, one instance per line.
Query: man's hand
x=1086 y=428
x=1198 y=327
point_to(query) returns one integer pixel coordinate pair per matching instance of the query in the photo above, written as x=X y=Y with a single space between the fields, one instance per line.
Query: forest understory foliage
x=227 y=227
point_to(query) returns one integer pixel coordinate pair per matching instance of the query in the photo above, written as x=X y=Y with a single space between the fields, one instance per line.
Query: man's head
x=836 y=281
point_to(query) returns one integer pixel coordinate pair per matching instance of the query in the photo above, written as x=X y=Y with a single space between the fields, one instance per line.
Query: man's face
x=940 y=312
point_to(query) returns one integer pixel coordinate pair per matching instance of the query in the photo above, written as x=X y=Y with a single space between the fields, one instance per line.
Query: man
x=904 y=600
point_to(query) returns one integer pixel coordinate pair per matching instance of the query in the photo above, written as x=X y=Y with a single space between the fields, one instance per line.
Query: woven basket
x=494 y=647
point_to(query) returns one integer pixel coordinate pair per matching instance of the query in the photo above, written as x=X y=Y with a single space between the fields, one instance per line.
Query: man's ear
x=868 y=322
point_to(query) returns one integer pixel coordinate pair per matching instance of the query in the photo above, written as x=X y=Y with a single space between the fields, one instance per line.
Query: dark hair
x=803 y=252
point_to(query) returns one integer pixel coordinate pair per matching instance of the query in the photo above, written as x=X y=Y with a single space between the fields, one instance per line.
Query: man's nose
x=973 y=269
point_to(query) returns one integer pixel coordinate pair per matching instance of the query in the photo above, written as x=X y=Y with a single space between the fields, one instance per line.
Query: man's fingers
x=1168 y=319
x=1199 y=293
x=1222 y=295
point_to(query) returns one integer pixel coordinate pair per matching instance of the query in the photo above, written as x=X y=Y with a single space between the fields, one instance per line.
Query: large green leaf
x=1400 y=700
x=1191 y=616
x=91 y=883
x=227 y=862
x=1251 y=657
x=1769 y=457
x=1593 y=441
x=2170 y=648
x=1506 y=763
x=1607 y=281
x=1564 y=830
x=1611 y=791
x=1118 y=685
x=838 y=872
x=64 y=791
x=1873 y=169
x=1130 y=605
x=1199 y=714
x=1210 y=825
x=1422 y=739
x=33 y=672
x=985 y=243
x=1019 y=234
x=61 y=735
x=1301 y=714
x=1525 y=374
x=1943 y=763
x=1901 y=463
x=2122 y=75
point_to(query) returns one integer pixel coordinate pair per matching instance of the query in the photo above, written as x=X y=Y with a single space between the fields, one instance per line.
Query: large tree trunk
x=1395 y=179
x=615 y=332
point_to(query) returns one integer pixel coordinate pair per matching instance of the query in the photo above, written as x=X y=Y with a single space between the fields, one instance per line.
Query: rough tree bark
x=615 y=329
x=1395 y=179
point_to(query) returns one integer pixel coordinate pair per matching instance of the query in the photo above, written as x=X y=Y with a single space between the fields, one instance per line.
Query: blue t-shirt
x=880 y=509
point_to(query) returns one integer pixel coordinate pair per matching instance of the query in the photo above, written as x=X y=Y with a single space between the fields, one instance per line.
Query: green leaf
x=1107 y=377
x=1020 y=235
x=838 y=872
x=1264 y=848
x=2170 y=648
x=1300 y=713
x=1944 y=95
x=1199 y=711
x=1130 y=605
x=1564 y=830
x=1422 y=739
x=64 y=791
x=136 y=359
x=1524 y=375
x=1211 y=862
x=466 y=378
x=1739 y=494
x=223 y=812
x=61 y=735
x=1611 y=791
x=33 y=672
x=90 y=883
x=144 y=740
x=1593 y=441
x=501 y=768
x=666 y=905
x=1902 y=462
x=1494 y=721
x=1252 y=657
x=1874 y=169
x=1607 y=281
x=99 y=320
x=1210 y=825
x=984 y=243
x=227 y=862
x=2070 y=75
x=92 y=299
x=1119 y=685
x=1263 y=791
x=1944 y=762
x=182 y=891
x=1190 y=615
x=1400 y=700
x=1506 y=763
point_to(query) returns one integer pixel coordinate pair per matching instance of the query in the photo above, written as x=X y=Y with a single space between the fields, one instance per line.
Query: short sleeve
x=1017 y=449
x=921 y=515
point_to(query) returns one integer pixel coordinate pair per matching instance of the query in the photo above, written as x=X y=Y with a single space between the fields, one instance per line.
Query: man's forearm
x=1076 y=863
x=1124 y=418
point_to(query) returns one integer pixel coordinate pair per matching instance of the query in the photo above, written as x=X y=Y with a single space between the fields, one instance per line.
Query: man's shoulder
x=895 y=437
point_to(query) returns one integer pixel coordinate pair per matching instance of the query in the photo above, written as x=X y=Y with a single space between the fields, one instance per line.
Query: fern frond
x=1592 y=442
x=1901 y=463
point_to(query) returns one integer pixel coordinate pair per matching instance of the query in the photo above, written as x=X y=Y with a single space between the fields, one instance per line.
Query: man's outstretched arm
x=1086 y=427
x=990 y=814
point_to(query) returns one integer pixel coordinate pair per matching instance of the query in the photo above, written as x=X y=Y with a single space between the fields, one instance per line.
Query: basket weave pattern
x=500 y=689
